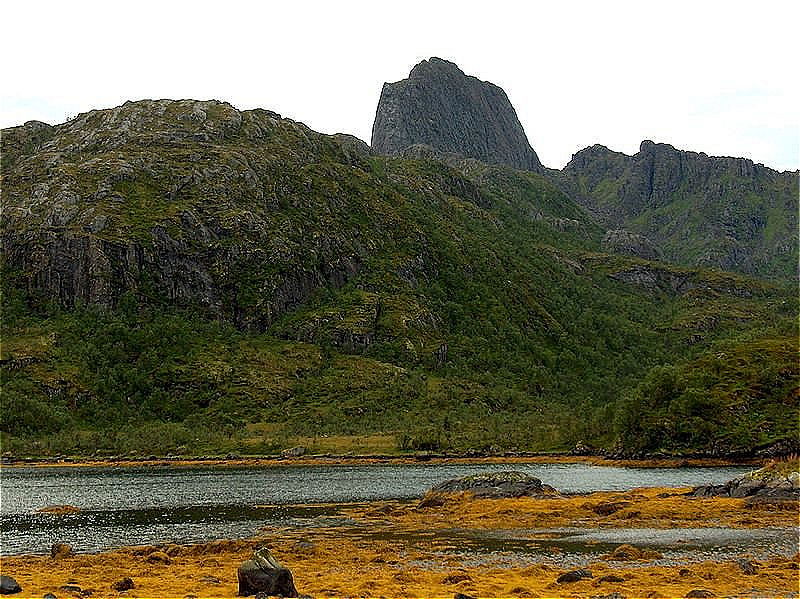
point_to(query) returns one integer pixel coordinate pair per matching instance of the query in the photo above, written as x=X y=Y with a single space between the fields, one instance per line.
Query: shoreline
x=370 y=459
x=404 y=550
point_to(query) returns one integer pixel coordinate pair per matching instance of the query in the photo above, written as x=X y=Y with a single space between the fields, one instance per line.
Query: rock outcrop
x=492 y=485
x=719 y=212
x=439 y=106
x=777 y=483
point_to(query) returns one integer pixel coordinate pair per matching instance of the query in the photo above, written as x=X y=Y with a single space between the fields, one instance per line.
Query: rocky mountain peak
x=440 y=106
x=433 y=66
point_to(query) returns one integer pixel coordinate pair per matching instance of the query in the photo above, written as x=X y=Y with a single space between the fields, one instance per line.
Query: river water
x=147 y=505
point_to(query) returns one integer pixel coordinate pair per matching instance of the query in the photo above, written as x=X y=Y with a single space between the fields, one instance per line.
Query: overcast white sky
x=713 y=76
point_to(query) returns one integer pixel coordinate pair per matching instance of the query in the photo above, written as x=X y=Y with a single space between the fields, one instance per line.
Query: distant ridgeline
x=184 y=277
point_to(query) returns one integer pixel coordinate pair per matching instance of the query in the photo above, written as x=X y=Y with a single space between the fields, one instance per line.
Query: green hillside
x=185 y=277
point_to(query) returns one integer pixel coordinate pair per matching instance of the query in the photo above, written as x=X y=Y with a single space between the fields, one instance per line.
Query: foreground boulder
x=262 y=573
x=492 y=485
x=9 y=586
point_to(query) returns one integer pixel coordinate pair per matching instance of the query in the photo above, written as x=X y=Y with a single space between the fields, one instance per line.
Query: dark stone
x=441 y=107
x=123 y=584
x=9 y=586
x=699 y=594
x=293 y=452
x=462 y=596
x=574 y=576
x=495 y=485
x=759 y=486
x=264 y=574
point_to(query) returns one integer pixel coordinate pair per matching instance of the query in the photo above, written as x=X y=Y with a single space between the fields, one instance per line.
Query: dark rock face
x=264 y=574
x=438 y=105
x=496 y=485
x=719 y=212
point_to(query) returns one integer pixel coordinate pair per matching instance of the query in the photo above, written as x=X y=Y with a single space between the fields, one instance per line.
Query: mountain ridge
x=692 y=208
x=181 y=273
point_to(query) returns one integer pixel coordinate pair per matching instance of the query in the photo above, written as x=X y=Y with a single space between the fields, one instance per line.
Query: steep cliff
x=726 y=213
x=438 y=105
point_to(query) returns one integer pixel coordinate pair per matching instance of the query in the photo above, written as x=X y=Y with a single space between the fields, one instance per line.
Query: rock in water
x=492 y=485
x=9 y=586
x=264 y=574
x=769 y=484
x=497 y=485
x=439 y=106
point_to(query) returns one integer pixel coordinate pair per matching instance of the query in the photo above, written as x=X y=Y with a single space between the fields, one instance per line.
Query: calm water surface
x=131 y=506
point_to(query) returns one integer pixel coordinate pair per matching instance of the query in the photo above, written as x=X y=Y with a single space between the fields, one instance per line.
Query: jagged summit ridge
x=440 y=106
x=720 y=212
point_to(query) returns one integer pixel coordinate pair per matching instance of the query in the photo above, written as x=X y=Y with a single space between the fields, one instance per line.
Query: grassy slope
x=482 y=316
